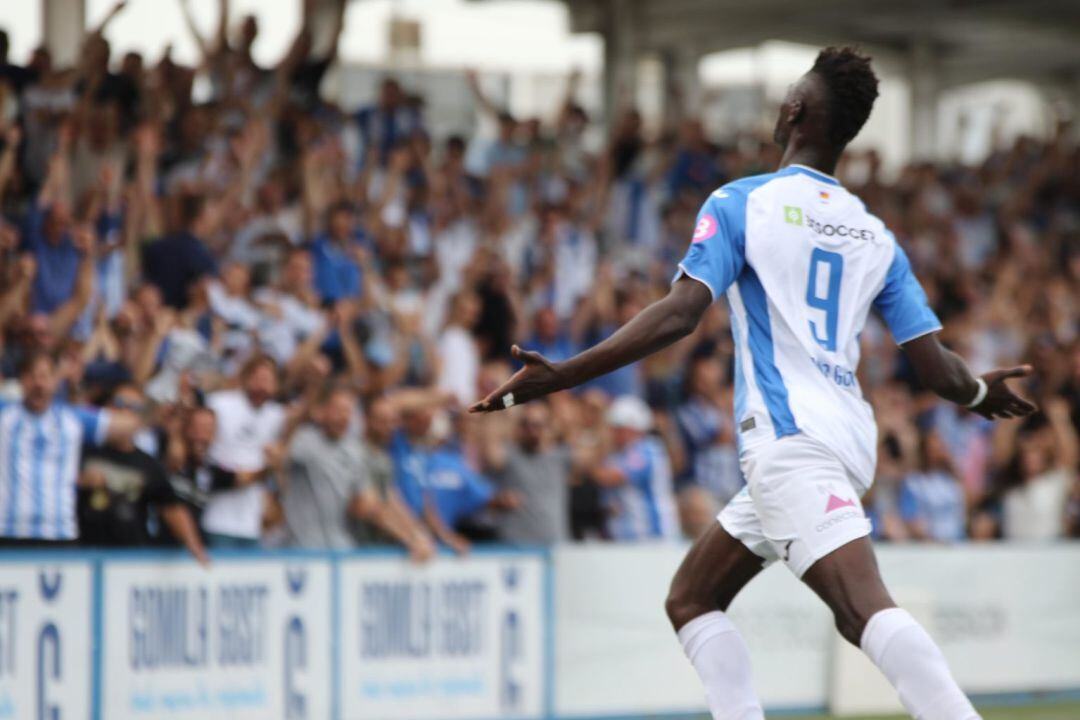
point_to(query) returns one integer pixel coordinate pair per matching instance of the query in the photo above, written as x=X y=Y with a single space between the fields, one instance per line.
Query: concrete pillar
x=621 y=52
x=63 y=24
x=682 y=82
x=925 y=90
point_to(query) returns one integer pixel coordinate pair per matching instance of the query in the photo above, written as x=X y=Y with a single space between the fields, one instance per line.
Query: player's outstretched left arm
x=946 y=374
x=664 y=322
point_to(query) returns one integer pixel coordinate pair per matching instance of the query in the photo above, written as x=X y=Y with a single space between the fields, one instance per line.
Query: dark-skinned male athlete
x=801 y=262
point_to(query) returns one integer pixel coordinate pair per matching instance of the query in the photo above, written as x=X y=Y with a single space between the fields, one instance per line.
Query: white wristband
x=508 y=400
x=980 y=393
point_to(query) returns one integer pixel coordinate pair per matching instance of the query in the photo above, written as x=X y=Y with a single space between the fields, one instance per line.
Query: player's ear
x=795 y=111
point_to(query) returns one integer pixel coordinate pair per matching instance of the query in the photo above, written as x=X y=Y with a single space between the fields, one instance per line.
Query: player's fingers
x=1016 y=372
x=1021 y=411
x=530 y=357
x=1022 y=407
x=1018 y=404
x=485 y=405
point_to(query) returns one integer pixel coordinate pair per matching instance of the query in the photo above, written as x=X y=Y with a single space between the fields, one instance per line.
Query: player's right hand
x=538 y=377
x=1001 y=401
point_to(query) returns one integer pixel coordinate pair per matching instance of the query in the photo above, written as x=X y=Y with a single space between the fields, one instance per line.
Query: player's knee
x=682 y=607
x=851 y=621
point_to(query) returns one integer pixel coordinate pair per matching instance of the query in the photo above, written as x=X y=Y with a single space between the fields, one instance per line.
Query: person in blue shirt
x=931 y=500
x=626 y=380
x=436 y=482
x=178 y=260
x=548 y=338
x=383 y=125
x=48 y=237
x=695 y=168
x=338 y=273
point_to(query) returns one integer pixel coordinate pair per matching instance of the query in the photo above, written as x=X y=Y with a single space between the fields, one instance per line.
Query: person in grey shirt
x=380 y=424
x=537 y=469
x=329 y=487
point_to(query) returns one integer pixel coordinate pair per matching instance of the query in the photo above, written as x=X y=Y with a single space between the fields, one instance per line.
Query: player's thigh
x=848 y=581
x=805 y=500
x=713 y=572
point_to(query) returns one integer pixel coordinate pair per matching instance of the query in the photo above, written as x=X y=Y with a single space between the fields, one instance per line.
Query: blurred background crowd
x=256 y=320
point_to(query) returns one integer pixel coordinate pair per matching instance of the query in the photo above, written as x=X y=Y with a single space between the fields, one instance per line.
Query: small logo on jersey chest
x=747 y=424
x=792 y=215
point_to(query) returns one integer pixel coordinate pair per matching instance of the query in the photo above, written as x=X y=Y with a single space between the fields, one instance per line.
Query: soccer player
x=801 y=262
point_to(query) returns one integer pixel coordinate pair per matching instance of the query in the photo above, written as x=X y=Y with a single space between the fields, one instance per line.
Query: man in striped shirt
x=636 y=479
x=41 y=442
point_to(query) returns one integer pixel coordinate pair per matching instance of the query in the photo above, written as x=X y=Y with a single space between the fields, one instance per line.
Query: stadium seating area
x=338 y=286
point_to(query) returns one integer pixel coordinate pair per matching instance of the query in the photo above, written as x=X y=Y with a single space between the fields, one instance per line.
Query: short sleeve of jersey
x=94 y=422
x=903 y=304
x=718 y=247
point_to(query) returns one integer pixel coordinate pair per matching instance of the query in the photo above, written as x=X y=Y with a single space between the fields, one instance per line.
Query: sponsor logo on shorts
x=835 y=520
x=836 y=503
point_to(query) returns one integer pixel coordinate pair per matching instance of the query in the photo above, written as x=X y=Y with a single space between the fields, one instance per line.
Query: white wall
x=1007 y=617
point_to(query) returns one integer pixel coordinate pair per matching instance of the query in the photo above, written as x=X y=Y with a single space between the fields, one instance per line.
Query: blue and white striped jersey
x=643 y=507
x=39 y=466
x=802 y=262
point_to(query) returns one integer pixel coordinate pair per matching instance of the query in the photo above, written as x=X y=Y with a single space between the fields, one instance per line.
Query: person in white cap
x=636 y=477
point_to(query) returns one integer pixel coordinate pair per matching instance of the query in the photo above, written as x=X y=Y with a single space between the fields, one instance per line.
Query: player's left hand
x=1001 y=401
x=538 y=377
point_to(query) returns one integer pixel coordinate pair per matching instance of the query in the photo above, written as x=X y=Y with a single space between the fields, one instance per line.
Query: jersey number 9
x=823 y=293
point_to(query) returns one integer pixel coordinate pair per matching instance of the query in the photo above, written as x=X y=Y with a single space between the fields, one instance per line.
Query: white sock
x=722 y=661
x=914 y=665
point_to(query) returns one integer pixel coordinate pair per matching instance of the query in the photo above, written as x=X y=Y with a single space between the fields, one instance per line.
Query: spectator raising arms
x=250 y=430
x=214 y=244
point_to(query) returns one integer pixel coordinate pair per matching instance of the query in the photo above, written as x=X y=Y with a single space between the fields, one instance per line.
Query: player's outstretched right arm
x=946 y=374
x=657 y=326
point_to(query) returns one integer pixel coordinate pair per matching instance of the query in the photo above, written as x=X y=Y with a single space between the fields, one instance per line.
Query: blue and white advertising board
x=452 y=639
x=45 y=640
x=246 y=639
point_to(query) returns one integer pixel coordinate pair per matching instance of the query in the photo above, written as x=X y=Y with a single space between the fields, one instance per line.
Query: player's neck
x=812 y=156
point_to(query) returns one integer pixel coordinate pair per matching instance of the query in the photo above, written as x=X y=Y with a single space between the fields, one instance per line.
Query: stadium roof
x=972 y=40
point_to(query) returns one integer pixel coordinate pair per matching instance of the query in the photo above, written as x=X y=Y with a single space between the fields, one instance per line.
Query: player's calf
x=849 y=583
x=847 y=579
x=714 y=571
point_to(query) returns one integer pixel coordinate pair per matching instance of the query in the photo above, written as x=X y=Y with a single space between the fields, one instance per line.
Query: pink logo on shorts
x=705 y=229
x=836 y=503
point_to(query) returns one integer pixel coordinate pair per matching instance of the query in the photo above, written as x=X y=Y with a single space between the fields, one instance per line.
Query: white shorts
x=800 y=503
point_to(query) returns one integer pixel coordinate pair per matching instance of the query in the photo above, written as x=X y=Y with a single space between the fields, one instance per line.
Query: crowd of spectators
x=255 y=320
